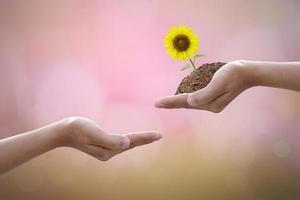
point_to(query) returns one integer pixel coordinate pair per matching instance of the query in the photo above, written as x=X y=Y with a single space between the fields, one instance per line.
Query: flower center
x=181 y=43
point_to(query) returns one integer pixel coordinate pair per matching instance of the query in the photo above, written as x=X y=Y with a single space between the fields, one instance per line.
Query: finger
x=142 y=138
x=206 y=95
x=110 y=141
x=220 y=103
x=176 y=101
x=138 y=139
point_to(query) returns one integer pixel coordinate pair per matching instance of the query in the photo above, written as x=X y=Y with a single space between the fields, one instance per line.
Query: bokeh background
x=105 y=60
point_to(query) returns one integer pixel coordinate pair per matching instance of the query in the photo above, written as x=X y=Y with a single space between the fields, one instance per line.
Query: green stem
x=193 y=64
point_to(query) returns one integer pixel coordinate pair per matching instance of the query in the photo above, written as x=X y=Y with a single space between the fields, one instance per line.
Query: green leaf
x=185 y=67
x=198 y=56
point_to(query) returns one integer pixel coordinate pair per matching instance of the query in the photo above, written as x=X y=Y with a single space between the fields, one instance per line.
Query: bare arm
x=234 y=78
x=276 y=74
x=76 y=132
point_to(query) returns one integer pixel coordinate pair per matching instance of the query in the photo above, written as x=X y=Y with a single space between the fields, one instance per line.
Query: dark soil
x=199 y=78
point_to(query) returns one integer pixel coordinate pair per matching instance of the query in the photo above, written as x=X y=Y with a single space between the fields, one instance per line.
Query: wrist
x=68 y=131
x=60 y=134
x=251 y=73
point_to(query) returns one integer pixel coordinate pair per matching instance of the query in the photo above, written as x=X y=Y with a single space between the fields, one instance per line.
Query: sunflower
x=181 y=43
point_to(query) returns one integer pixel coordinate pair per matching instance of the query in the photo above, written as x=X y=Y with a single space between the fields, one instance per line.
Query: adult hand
x=85 y=135
x=227 y=83
x=76 y=132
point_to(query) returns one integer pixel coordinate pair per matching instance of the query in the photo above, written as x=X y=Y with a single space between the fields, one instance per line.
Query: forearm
x=275 y=74
x=20 y=148
x=75 y=132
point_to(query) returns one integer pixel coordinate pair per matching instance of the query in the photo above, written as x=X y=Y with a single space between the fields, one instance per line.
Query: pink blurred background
x=105 y=60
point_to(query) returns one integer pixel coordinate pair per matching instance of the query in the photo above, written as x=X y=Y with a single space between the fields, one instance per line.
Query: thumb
x=119 y=141
x=112 y=141
x=205 y=95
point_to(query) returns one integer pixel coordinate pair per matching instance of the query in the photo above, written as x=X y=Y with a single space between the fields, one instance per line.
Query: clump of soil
x=199 y=78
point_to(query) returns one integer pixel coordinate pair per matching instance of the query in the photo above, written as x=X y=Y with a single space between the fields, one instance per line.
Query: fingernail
x=125 y=142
